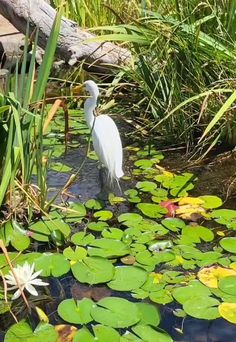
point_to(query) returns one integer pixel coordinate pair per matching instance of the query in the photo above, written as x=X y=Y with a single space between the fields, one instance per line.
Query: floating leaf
x=52 y=264
x=184 y=293
x=94 y=204
x=116 y=312
x=113 y=233
x=195 y=234
x=93 y=270
x=173 y=224
x=151 y=210
x=128 y=218
x=76 y=311
x=82 y=239
x=78 y=254
x=60 y=167
x=103 y=215
x=228 y=285
x=144 y=163
x=211 y=202
x=203 y=307
x=22 y=332
x=149 y=334
x=98 y=226
x=146 y=186
x=229 y=244
x=74 y=212
x=149 y=314
x=228 y=311
x=225 y=216
x=108 y=248
x=127 y=278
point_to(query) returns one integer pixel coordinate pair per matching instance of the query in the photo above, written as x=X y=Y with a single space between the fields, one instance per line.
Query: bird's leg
x=103 y=194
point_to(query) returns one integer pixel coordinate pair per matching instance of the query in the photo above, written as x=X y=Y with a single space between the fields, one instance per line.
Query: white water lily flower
x=26 y=277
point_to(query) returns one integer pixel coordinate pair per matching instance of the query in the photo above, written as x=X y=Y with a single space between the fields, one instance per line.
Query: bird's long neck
x=89 y=107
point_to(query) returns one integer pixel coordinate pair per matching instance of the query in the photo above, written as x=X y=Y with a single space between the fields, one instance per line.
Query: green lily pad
x=173 y=224
x=225 y=216
x=152 y=210
x=94 y=204
x=93 y=270
x=103 y=215
x=229 y=244
x=113 y=233
x=98 y=226
x=146 y=186
x=60 y=167
x=76 y=311
x=161 y=297
x=185 y=293
x=211 y=202
x=78 y=254
x=52 y=264
x=116 y=312
x=82 y=239
x=127 y=278
x=202 y=307
x=128 y=218
x=108 y=248
x=144 y=163
x=228 y=285
x=149 y=314
x=75 y=212
x=23 y=332
x=101 y=332
x=196 y=234
x=149 y=334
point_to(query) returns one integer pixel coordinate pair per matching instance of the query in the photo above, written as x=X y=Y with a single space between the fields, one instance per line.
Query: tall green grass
x=21 y=123
x=181 y=51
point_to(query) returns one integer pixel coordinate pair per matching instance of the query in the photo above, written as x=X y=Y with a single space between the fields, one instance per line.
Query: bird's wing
x=107 y=145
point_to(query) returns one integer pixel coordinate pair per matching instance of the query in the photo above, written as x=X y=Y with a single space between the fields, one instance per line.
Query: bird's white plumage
x=106 y=137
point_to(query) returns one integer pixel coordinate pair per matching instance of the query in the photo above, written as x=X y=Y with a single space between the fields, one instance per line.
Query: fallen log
x=73 y=46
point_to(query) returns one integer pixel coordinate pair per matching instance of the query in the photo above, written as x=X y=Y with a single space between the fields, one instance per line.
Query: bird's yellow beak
x=78 y=90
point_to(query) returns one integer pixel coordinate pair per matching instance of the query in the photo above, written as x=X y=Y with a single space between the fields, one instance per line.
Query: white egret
x=105 y=134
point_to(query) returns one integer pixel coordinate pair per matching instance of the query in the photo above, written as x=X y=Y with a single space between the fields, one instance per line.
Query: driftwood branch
x=73 y=45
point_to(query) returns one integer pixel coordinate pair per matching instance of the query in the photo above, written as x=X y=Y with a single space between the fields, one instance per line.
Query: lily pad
x=116 y=312
x=101 y=332
x=149 y=314
x=146 y=186
x=98 y=226
x=127 y=278
x=76 y=311
x=108 y=248
x=22 y=332
x=93 y=270
x=151 y=210
x=229 y=244
x=228 y=285
x=211 y=202
x=202 y=307
x=103 y=215
x=184 y=293
x=52 y=264
x=228 y=311
x=94 y=204
x=225 y=216
x=82 y=239
x=149 y=334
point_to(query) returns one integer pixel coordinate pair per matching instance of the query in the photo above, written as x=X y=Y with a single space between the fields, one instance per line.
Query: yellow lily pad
x=196 y=201
x=185 y=211
x=228 y=311
x=210 y=276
